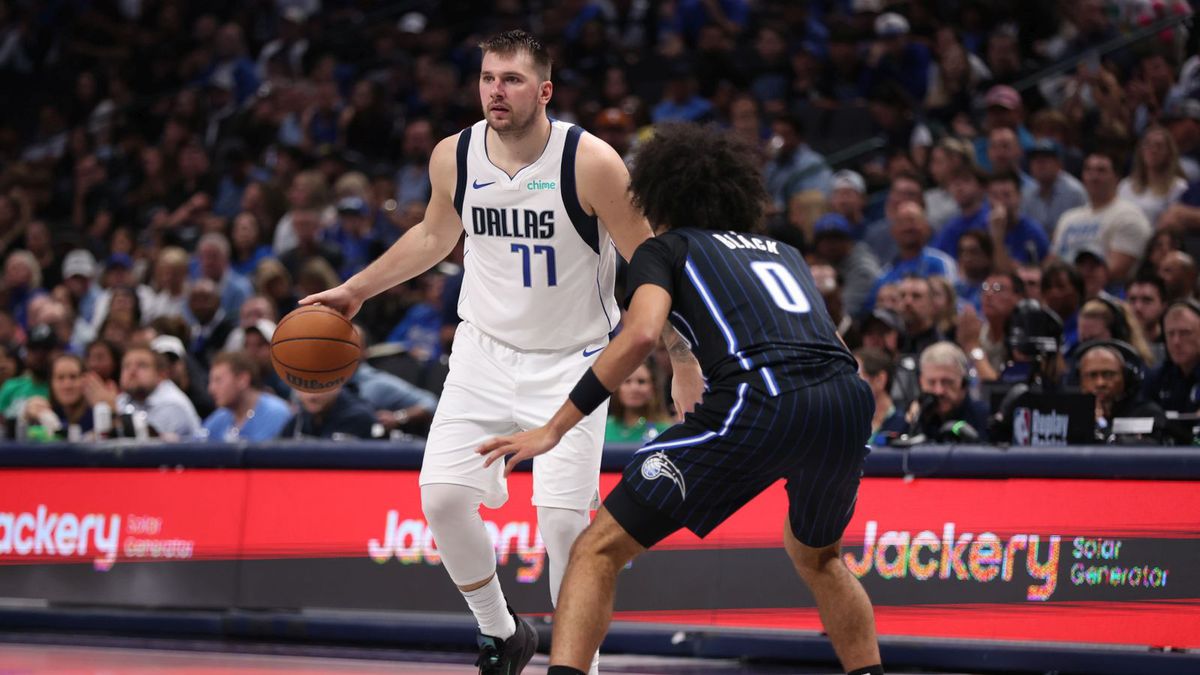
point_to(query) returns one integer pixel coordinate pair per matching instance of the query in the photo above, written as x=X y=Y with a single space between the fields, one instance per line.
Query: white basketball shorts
x=495 y=390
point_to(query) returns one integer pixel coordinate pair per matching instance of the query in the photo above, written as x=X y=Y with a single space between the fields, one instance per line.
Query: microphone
x=958 y=431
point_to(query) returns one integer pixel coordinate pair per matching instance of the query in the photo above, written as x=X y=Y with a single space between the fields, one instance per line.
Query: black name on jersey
x=517 y=223
x=736 y=241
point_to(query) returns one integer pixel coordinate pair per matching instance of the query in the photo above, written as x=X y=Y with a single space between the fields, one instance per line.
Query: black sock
x=564 y=670
x=869 y=670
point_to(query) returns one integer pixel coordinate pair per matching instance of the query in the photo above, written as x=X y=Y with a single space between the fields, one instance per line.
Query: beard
x=516 y=125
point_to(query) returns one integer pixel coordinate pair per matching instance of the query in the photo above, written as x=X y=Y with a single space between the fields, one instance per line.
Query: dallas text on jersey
x=518 y=223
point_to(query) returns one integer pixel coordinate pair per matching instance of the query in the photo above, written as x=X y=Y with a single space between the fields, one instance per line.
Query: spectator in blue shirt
x=896 y=57
x=397 y=404
x=795 y=167
x=1015 y=238
x=244 y=412
x=353 y=234
x=910 y=231
x=680 y=102
x=420 y=331
x=967 y=189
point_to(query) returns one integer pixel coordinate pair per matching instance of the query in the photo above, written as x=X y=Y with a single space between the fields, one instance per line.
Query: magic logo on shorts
x=658 y=465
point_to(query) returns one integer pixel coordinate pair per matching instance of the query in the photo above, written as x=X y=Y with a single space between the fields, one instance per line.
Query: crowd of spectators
x=967 y=179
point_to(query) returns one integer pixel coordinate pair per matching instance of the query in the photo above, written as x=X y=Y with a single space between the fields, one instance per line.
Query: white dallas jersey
x=539 y=271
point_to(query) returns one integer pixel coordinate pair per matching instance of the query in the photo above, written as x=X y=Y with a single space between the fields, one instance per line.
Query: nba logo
x=1022 y=426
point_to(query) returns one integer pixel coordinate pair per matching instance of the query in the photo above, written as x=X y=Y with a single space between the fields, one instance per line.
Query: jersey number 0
x=783 y=287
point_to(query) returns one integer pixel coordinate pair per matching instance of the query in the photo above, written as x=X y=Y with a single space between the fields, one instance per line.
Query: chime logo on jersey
x=657 y=465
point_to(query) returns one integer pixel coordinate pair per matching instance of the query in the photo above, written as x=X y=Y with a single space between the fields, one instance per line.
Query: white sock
x=490 y=610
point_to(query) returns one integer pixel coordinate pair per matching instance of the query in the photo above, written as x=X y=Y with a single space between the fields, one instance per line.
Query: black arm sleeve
x=657 y=261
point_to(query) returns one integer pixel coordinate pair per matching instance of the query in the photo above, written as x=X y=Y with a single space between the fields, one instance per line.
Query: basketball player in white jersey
x=543 y=205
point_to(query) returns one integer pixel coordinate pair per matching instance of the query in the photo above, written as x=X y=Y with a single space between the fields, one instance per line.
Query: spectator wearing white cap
x=79 y=274
x=257 y=344
x=848 y=198
x=256 y=309
x=894 y=56
x=184 y=370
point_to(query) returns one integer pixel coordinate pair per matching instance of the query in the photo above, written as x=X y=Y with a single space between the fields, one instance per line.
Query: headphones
x=1133 y=370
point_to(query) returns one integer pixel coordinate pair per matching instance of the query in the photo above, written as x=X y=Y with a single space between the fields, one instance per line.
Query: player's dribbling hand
x=522 y=446
x=338 y=298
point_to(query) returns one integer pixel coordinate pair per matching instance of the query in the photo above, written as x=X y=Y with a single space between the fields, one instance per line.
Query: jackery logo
x=44 y=533
x=411 y=542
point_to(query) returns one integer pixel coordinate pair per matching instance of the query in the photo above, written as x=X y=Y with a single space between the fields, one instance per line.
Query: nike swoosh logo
x=476 y=184
x=587 y=353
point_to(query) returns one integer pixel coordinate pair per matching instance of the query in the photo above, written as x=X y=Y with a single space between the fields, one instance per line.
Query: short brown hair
x=239 y=363
x=512 y=42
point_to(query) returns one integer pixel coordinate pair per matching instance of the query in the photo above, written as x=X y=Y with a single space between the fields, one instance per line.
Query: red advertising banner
x=1087 y=561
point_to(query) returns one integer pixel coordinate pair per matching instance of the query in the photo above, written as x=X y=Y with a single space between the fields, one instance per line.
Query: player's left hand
x=522 y=446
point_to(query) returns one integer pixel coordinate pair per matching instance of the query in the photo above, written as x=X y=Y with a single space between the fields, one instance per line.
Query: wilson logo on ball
x=302 y=383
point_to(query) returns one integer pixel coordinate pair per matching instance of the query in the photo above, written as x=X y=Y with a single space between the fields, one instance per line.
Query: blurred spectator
x=1108 y=319
x=1182 y=120
x=212 y=253
x=1005 y=155
x=243 y=411
x=636 y=414
x=231 y=64
x=615 y=127
x=247 y=248
x=210 y=327
x=1093 y=269
x=946 y=305
x=854 y=262
x=1175 y=385
x=1015 y=237
x=66 y=406
x=420 y=329
x=1004 y=110
x=257 y=345
x=966 y=187
x=1157 y=180
x=104 y=360
x=169 y=286
x=10 y=362
x=184 y=370
x=40 y=350
x=949 y=157
x=397 y=404
x=1063 y=293
x=1107 y=372
x=920 y=329
x=307 y=226
x=353 y=236
x=1053 y=191
x=680 y=101
x=22 y=282
x=910 y=232
x=308 y=191
x=904 y=188
x=1178 y=272
x=273 y=281
x=826 y=280
x=894 y=56
x=146 y=388
x=794 y=167
x=412 y=180
x=1121 y=227
x=1001 y=293
x=334 y=414
x=944 y=402
x=953 y=80
x=256 y=309
x=848 y=198
x=876 y=368
x=1147 y=298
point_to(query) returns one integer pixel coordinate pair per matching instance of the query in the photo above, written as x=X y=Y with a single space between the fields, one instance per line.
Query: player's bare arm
x=604 y=191
x=643 y=324
x=419 y=249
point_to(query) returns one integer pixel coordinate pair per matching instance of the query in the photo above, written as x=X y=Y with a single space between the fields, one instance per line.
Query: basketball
x=314 y=349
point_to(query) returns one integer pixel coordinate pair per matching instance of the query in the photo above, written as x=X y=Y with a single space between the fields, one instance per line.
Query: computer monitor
x=1054 y=419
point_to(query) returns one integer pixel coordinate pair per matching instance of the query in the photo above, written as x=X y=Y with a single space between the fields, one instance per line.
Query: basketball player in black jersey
x=783 y=399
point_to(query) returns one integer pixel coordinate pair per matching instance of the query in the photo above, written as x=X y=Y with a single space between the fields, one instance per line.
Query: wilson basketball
x=314 y=349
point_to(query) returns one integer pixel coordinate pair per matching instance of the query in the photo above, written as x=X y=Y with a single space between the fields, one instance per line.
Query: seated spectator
x=1106 y=318
x=848 y=198
x=876 y=367
x=247 y=247
x=66 y=406
x=257 y=308
x=170 y=285
x=1157 y=180
x=334 y=414
x=944 y=402
x=353 y=234
x=796 y=167
x=1175 y=385
x=1178 y=272
x=10 y=362
x=1120 y=227
x=420 y=329
x=243 y=411
x=1016 y=238
x=210 y=326
x=1109 y=372
x=946 y=305
x=1147 y=298
x=184 y=370
x=916 y=296
x=967 y=189
x=40 y=350
x=21 y=283
x=1093 y=270
x=104 y=359
x=976 y=262
x=879 y=235
x=1053 y=191
x=1063 y=293
x=397 y=404
x=911 y=233
x=212 y=255
x=257 y=344
x=307 y=224
x=273 y=281
x=636 y=414
x=1001 y=293
x=146 y=387
x=854 y=262
x=946 y=159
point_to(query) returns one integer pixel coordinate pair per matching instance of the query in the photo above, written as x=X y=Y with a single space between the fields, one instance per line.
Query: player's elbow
x=642 y=337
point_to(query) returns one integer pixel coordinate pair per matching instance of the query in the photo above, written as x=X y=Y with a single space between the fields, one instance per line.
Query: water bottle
x=102 y=420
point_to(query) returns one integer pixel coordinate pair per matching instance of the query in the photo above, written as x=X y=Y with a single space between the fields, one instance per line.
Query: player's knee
x=447 y=504
x=561 y=526
x=598 y=545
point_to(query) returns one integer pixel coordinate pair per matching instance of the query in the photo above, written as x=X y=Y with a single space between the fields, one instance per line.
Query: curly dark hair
x=689 y=175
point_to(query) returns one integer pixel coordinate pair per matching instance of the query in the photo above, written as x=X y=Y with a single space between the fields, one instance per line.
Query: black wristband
x=589 y=393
